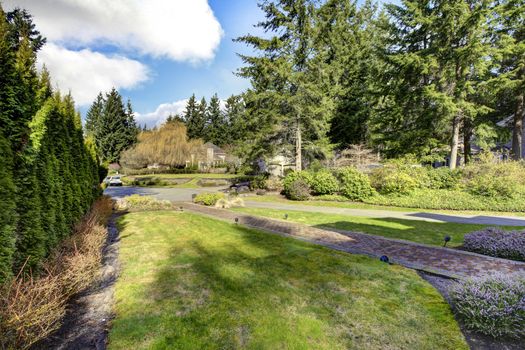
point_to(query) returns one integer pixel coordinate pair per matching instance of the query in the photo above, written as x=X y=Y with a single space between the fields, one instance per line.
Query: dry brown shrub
x=32 y=307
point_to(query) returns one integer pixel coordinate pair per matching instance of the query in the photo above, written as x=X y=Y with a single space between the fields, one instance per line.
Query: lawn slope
x=191 y=282
x=419 y=231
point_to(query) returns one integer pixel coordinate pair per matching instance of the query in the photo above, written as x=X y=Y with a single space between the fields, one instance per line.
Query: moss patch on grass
x=191 y=282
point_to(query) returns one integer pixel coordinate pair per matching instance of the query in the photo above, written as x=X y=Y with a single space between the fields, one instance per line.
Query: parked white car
x=113 y=181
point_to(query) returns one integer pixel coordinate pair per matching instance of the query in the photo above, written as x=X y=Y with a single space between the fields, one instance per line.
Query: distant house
x=214 y=154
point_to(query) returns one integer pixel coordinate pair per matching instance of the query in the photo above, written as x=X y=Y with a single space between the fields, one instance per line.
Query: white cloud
x=86 y=73
x=161 y=113
x=182 y=30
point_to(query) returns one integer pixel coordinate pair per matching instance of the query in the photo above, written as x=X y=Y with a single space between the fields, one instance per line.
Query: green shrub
x=489 y=186
x=354 y=185
x=398 y=183
x=443 y=178
x=323 y=182
x=274 y=184
x=288 y=183
x=299 y=190
x=208 y=198
x=258 y=182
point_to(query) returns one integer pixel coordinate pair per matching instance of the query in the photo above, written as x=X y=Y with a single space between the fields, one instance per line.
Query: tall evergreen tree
x=286 y=101
x=436 y=52
x=112 y=125
x=509 y=39
x=216 y=126
x=93 y=115
x=235 y=116
x=196 y=116
x=7 y=187
x=347 y=39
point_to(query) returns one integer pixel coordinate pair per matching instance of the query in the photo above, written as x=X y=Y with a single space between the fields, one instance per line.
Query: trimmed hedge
x=496 y=242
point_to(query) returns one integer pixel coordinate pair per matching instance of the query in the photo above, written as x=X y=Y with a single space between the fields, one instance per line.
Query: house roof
x=216 y=149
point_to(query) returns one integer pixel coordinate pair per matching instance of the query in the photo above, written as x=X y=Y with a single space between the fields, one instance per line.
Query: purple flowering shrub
x=496 y=242
x=493 y=305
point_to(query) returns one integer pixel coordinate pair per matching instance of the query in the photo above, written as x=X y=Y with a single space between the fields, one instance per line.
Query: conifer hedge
x=49 y=175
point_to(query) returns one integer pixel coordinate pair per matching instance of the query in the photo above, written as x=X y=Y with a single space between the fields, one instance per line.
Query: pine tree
x=195 y=116
x=235 y=116
x=509 y=41
x=216 y=126
x=93 y=115
x=112 y=126
x=131 y=126
x=436 y=54
x=7 y=187
x=346 y=47
x=286 y=101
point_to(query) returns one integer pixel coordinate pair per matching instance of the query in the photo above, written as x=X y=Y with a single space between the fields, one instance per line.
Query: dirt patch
x=475 y=340
x=86 y=323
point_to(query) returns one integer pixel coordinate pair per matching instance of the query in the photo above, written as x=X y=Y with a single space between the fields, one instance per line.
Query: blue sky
x=155 y=52
x=173 y=81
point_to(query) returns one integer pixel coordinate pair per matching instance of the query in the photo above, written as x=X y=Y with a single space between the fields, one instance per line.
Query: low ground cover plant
x=492 y=305
x=208 y=198
x=32 y=306
x=137 y=202
x=497 y=242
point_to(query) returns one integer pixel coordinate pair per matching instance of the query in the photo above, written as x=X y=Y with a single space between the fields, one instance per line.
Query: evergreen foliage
x=112 y=126
x=48 y=175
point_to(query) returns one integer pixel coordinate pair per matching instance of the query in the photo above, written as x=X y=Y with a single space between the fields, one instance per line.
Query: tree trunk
x=298 y=148
x=454 y=145
x=517 y=142
x=467 y=135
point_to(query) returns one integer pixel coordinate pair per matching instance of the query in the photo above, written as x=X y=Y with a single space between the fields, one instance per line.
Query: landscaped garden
x=233 y=287
x=400 y=183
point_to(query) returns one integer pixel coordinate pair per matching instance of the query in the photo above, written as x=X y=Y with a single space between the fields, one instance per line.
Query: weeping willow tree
x=169 y=145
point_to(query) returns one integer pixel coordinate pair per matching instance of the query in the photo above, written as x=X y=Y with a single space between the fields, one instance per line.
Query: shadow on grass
x=409 y=230
x=224 y=286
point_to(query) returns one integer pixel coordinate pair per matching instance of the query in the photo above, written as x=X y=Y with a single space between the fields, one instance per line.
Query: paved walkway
x=444 y=261
x=377 y=213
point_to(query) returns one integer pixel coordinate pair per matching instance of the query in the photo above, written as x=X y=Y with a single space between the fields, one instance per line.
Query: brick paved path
x=444 y=261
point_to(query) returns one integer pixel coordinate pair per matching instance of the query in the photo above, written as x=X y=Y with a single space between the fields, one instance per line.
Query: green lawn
x=191 y=282
x=411 y=230
x=359 y=205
